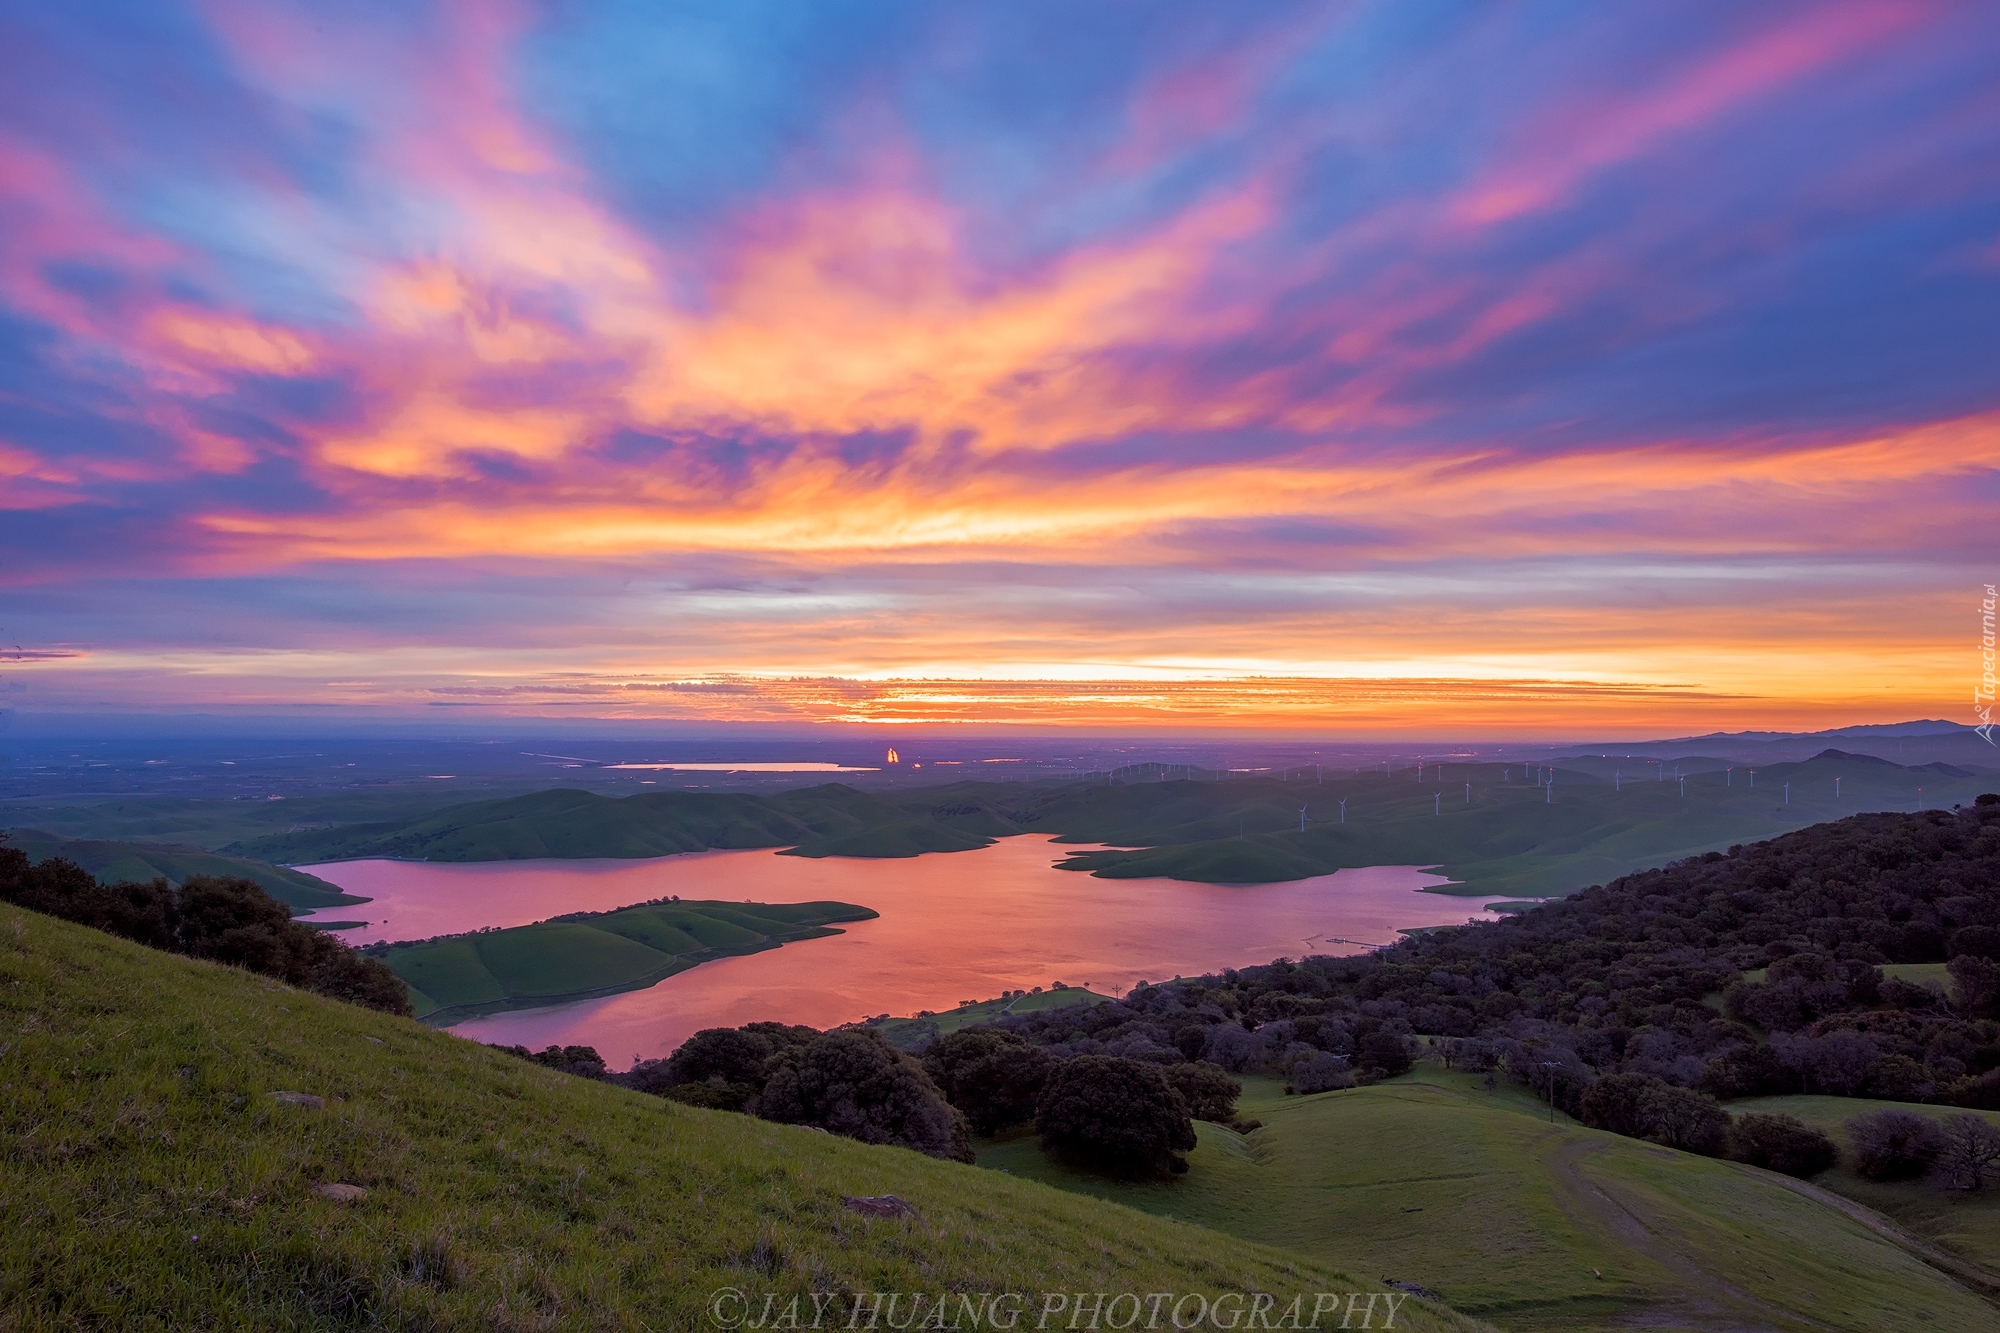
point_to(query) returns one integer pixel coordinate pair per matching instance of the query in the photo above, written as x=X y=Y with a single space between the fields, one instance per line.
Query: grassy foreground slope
x=150 y=1179
x=590 y=954
x=1476 y=1195
x=112 y=862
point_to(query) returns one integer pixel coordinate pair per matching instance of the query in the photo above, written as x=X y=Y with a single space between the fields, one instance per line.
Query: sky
x=1376 y=368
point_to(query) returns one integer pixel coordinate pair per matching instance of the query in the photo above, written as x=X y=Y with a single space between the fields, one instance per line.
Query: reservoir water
x=953 y=926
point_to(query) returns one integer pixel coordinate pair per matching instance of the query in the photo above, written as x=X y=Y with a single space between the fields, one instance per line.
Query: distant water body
x=953 y=926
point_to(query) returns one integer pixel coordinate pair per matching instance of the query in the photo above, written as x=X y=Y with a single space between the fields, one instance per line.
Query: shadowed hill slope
x=152 y=1179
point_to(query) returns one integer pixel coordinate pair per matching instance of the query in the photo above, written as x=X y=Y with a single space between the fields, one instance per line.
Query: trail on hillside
x=1705 y=1300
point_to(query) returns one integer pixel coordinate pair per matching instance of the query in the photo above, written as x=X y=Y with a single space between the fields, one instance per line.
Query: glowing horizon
x=1324 y=369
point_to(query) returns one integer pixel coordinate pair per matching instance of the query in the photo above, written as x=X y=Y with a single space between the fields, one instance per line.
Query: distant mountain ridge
x=1493 y=827
x=1911 y=744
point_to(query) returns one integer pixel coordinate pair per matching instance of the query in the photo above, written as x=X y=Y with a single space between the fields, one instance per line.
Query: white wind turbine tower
x=1343 y=809
x=1302 y=819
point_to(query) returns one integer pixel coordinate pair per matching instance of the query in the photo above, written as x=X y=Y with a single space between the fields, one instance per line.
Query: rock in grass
x=338 y=1192
x=878 y=1205
x=305 y=1099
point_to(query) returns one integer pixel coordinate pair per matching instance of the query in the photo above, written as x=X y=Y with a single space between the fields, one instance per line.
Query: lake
x=953 y=926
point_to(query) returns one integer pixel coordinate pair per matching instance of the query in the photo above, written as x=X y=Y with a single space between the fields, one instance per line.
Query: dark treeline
x=1120 y=1116
x=222 y=920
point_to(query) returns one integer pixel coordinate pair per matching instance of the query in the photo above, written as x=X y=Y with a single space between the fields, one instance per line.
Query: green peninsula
x=588 y=955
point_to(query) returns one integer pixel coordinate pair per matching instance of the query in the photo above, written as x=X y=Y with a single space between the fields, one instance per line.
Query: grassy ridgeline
x=112 y=862
x=592 y=954
x=150 y=1179
x=1475 y=1194
x=828 y=820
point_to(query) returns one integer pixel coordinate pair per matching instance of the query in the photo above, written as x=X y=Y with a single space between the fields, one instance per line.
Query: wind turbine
x=1836 y=789
x=1468 y=793
x=1302 y=819
x=1788 y=793
x=1439 y=804
x=1343 y=809
x=1684 y=786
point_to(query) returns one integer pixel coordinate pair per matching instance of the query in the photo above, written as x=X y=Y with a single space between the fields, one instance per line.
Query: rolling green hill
x=1965 y=1223
x=588 y=955
x=211 y=822
x=114 y=861
x=1534 y=1225
x=151 y=1179
x=829 y=820
x=1492 y=827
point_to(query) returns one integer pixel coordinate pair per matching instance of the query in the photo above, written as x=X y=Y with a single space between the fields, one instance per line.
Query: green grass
x=1477 y=1195
x=1965 y=1223
x=913 y=1032
x=112 y=862
x=592 y=954
x=149 y=1180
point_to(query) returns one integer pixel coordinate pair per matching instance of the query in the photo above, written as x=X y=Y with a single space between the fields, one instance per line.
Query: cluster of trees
x=1108 y=1113
x=224 y=920
x=1961 y=1152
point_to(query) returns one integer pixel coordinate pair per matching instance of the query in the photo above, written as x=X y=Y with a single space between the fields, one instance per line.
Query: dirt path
x=1963 y=1271
x=1704 y=1300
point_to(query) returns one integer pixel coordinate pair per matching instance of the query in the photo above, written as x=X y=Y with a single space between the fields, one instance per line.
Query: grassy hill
x=1967 y=1224
x=151 y=1180
x=587 y=955
x=1476 y=1195
x=115 y=861
x=829 y=820
x=212 y=822
x=915 y=1032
